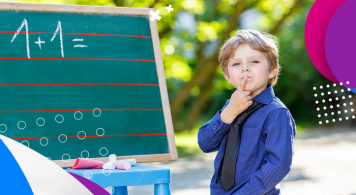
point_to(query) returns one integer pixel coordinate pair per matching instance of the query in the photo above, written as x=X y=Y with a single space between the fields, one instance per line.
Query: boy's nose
x=245 y=68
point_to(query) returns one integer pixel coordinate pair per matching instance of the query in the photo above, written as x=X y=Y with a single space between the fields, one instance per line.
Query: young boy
x=249 y=61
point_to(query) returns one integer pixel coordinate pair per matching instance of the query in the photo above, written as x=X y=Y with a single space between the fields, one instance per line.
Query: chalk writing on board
x=98 y=114
x=62 y=138
x=21 y=126
x=79 y=45
x=59 y=28
x=4 y=129
x=78 y=113
x=57 y=118
x=65 y=157
x=39 y=42
x=103 y=151
x=81 y=137
x=98 y=133
x=26 y=143
x=44 y=141
x=24 y=23
x=83 y=156
x=42 y=123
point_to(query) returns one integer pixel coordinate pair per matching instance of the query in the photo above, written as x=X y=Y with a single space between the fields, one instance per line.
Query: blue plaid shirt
x=266 y=149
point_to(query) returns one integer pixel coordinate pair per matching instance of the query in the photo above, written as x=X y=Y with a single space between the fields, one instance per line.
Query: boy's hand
x=240 y=100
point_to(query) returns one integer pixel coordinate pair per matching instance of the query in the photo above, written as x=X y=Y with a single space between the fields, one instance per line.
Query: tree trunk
x=201 y=76
x=199 y=103
x=119 y=3
x=182 y=97
x=277 y=27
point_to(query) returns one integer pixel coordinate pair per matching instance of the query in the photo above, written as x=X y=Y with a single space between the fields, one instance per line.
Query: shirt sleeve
x=212 y=132
x=281 y=130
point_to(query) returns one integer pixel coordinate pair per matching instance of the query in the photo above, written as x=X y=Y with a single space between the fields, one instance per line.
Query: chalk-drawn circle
x=99 y=133
x=84 y=151
x=43 y=141
x=60 y=138
x=22 y=122
x=3 y=131
x=110 y=189
x=43 y=123
x=102 y=150
x=106 y=172
x=80 y=113
x=26 y=143
x=81 y=137
x=96 y=109
x=65 y=157
x=88 y=174
x=57 y=118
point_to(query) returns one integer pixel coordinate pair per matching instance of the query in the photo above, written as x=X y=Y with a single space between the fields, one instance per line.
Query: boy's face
x=253 y=64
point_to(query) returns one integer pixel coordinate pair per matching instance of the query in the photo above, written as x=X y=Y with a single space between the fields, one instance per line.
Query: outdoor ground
x=324 y=164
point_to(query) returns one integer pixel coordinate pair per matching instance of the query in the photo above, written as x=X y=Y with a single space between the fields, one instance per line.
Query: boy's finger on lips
x=242 y=84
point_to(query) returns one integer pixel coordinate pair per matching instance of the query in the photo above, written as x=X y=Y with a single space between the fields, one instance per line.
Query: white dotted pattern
x=342 y=104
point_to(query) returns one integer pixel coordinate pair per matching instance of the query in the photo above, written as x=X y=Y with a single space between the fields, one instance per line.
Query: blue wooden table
x=120 y=179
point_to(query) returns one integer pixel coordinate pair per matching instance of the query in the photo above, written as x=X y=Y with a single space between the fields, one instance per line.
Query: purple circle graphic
x=340 y=44
x=314 y=34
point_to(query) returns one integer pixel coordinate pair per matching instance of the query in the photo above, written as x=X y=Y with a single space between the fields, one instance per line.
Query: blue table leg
x=121 y=190
x=162 y=189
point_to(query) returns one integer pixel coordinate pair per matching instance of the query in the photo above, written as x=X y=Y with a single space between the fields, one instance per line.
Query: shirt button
x=215 y=127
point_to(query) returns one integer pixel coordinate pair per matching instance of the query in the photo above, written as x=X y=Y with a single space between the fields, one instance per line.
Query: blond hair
x=263 y=42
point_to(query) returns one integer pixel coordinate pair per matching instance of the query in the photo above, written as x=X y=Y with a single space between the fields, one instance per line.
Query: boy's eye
x=236 y=64
x=255 y=61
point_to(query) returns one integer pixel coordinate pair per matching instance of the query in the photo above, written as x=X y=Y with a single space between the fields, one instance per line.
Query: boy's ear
x=273 y=73
x=227 y=77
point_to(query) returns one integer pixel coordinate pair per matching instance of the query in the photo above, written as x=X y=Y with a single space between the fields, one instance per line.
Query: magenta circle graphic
x=340 y=42
x=314 y=33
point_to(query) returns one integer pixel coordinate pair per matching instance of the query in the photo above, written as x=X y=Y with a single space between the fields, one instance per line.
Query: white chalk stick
x=112 y=158
x=109 y=165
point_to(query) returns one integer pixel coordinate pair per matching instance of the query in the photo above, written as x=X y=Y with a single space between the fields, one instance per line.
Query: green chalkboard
x=83 y=81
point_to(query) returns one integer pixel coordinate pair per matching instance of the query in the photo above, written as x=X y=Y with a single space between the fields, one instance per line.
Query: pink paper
x=84 y=163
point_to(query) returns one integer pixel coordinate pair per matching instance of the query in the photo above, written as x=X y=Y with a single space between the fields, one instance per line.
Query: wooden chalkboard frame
x=158 y=59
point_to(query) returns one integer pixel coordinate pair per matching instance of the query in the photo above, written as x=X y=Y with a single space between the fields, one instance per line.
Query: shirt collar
x=266 y=96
